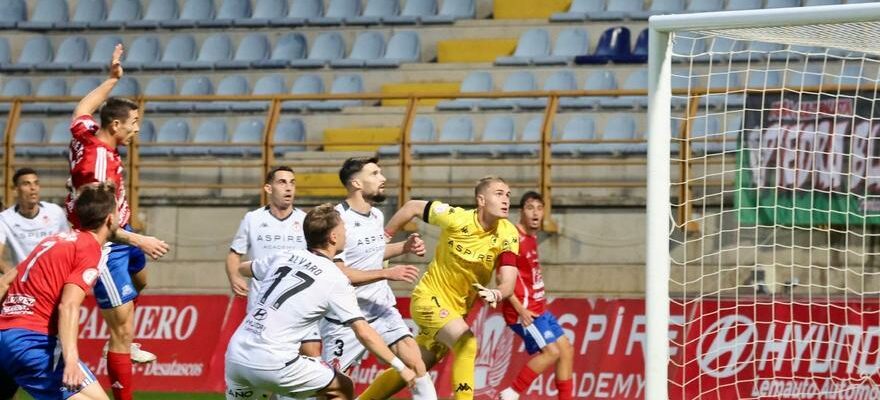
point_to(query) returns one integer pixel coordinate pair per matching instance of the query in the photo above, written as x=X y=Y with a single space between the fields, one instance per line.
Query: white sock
x=424 y=389
x=509 y=394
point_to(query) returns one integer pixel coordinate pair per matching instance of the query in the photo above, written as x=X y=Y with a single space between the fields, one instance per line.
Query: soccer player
x=473 y=243
x=29 y=221
x=40 y=313
x=94 y=158
x=366 y=250
x=263 y=354
x=525 y=312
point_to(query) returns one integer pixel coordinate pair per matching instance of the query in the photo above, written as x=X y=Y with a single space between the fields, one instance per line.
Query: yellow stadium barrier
x=474 y=50
x=323 y=184
x=529 y=9
x=343 y=139
x=417 y=88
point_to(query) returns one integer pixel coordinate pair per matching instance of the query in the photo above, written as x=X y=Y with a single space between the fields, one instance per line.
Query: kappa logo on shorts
x=127 y=290
x=548 y=335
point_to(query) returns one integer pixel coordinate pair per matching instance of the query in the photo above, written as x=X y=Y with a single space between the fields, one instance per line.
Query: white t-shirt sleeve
x=63 y=225
x=240 y=241
x=3 y=231
x=343 y=304
x=261 y=267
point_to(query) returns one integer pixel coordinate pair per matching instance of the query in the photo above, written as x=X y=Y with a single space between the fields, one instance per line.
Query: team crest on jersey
x=90 y=275
x=496 y=347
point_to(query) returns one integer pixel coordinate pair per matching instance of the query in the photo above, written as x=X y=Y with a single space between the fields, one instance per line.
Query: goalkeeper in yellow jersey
x=472 y=244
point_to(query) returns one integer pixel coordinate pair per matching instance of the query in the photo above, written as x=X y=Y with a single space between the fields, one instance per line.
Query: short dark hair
x=94 y=203
x=271 y=175
x=116 y=108
x=530 y=195
x=484 y=182
x=318 y=224
x=22 y=172
x=354 y=165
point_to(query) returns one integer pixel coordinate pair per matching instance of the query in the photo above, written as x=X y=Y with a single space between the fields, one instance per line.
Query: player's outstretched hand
x=408 y=376
x=490 y=296
x=153 y=247
x=404 y=272
x=116 y=62
x=414 y=245
x=73 y=376
x=238 y=284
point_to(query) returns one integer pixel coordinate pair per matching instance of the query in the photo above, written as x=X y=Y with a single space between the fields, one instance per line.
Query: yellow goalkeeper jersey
x=465 y=254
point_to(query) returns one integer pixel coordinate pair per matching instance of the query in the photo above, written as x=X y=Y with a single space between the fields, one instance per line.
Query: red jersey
x=32 y=300
x=92 y=161
x=529 y=289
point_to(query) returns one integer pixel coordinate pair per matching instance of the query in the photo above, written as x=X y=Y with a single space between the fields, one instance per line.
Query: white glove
x=490 y=296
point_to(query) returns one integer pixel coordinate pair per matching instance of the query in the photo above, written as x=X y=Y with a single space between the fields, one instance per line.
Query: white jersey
x=300 y=288
x=22 y=234
x=365 y=250
x=262 y=235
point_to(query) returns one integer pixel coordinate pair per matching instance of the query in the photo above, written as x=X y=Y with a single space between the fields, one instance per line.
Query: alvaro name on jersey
x=23 y=234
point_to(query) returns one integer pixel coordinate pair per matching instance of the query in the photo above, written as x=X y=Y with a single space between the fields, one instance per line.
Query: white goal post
x=763 y=198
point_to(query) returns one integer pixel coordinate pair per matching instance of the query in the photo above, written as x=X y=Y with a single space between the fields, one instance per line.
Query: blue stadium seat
x=291 y=46
x=558 y=81
x=782 y=3
x=639 y=54
x=852 y=74
x=681 y=80
x=767 y=51
x=5 y=52
x=232 y=85
x=722 y=49
x=45 y=14
x=11 y=13
x=475 y=82
x=659 y=7
x=146 y=135
x=248 y=136
x=375 y=12
x=86 y=12
x=413 y=12
x=174 y=131
x=341 y=84
x=689 y=47
x=36 y=51
x=216 y=48
x=157 y=12
x=301 y=11
x=520 y=81
x=403 y=47
x=715 y=133
x=809 y=77
x=59 y=138
x=455 y=129
x=337 y=12
x=620 y=127
x=452 y=10
x=637 y=80
x=264 y=12
x=570 y=43
x=266 y=85
x=229 y=12
x=142 y=52
x=192 y=13
x=759 y=79
x=29 y=132
x=597 y=80
x=74 y=49
x=369 y=45
x=195 y=86
x=51 y=87
x=705 y=6
x=617 y=10
x=744 y=5
x=180 y=49
x=532 y=133
x=288 y=132
x=120 y=13
x=163 y=85
x=613 y=43
x=725 y=80
x=126 y=87
x=84 y=85
x=16 y=87
x=579 y=10
x=422 y=131
x=304 y=84
x=211 y=131
x=532 y=43
x=101 y=54
x=812 y=3
x=499 y=128
x=580 y=127
x=328 y=46
x=253 y=48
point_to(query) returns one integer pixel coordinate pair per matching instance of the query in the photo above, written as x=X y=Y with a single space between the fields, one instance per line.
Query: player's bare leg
x=93 y=391
x=120 y=320
x=139 y=279
x=408 y=351
x=341 y=388
x=311 y=349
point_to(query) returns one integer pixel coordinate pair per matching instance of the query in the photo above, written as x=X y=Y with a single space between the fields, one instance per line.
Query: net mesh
x=774 y=277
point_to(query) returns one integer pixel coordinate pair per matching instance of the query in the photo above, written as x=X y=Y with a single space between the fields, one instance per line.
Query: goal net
x=763 y=276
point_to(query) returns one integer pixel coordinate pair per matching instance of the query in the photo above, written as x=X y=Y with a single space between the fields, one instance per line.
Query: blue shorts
x=114 y=288
x=34 y=361
x=543 y=331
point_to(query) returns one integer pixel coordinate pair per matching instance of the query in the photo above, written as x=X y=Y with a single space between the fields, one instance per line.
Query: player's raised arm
x=89 y=104
x=411 y=209
x=151 y=246
x=404 y=272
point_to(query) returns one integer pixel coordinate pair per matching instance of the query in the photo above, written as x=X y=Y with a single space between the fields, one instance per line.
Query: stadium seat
x=809 y=77
x=45 y=14
x=812 y=3
x=173 y=132
x=291 y=46
x=289 y=131
x=142 y=52
x=210 y=132
x=51 y=87
x=216 y=48
x=532 y=43
x=455 y=129
x=637 y=80
x=86 y=13
x=403 y=47
x=337 y=12
x=725 y=80
x=688 y=47
x=248 y=136
x=744 y=5
x=499 y=128
x=120 y=13
x=475 y=82
x=375 y=12
x=532 y=133
x=558 y=81
x=341 y=85
x=29 y=132
x=5 y=53
x=157 y=12
x=300 y=12
x=369 y=45
x=11 y=13
x=763 y=51
x=852 y=74
x=232 y=85
x=579 y=10
x=620 y=127
x=452 y=10
x=193 y=12
x=74 y=49
x=195 y=86
x=422 y=131
x=639 y=54
x=782 y=3
x=413 y=12
x=163 y=85
x=36 y=51
x=659 y=7
x=266 y=85
x=229 y=12
x=597 y=80
x=617 y=10
x=521 y=81
x=580 y=127
x=328 y=46
x=705 y=6
x=101 y=54
x=59 y=138
x=16 y=87
x=614 y=43
x=126 y=87
x=715 y=134
x=570 y=43
x=84 y=85
x=264 y=12
x=722 y=49
x=759 y=79
x=253 y=48
x=180 y=49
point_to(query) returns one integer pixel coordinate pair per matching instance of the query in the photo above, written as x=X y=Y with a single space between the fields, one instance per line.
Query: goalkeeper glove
x=490 y=296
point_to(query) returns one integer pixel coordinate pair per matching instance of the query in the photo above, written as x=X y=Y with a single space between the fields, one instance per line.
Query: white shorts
x=301 y=378
x=342 y=349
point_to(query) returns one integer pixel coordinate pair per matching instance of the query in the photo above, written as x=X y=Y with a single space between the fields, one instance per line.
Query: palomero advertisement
x=727 y=349
x=808 y=159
